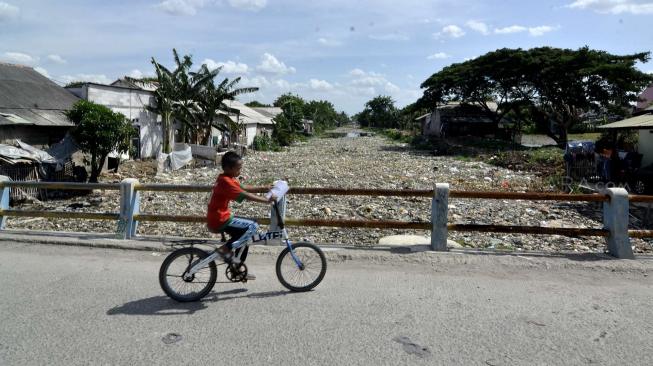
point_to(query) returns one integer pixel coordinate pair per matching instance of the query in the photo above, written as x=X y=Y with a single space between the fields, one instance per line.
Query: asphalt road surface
x=85 y=306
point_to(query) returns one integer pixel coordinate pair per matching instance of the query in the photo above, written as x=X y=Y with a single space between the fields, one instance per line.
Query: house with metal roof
x=456 y=119
x=253 y=122
x=133 y=100
x=643 y=124
x=32 y=107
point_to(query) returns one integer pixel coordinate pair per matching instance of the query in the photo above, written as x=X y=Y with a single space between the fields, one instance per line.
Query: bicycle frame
x=257 y=237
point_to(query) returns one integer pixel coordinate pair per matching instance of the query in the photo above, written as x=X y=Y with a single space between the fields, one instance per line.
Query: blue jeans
x=240 y=230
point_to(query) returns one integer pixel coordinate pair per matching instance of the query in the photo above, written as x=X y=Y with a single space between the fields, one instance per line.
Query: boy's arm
x=257 y=198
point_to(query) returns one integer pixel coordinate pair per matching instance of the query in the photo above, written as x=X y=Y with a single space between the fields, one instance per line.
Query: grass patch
x=590 y=136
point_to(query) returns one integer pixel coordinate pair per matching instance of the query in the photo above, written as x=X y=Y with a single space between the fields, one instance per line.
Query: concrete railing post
x=439 y=216
x=129 y=206
x=615 y=219
x=274 y=222
x=4 y=200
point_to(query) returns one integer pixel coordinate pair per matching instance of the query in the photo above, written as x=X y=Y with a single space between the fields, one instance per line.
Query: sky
x=344 y=51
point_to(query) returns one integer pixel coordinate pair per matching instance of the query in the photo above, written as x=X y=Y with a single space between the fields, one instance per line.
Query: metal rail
x=565 y=231
x=130 y=215
x=61 y=214
x=62 y=185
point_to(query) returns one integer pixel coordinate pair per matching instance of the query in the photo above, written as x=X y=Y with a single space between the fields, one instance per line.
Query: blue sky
x=343 y=51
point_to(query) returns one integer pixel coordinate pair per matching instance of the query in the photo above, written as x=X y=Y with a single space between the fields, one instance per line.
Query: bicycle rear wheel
x=180 y=287
x=305 y=276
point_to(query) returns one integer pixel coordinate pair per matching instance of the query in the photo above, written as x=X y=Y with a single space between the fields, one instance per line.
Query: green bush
x=264 y=142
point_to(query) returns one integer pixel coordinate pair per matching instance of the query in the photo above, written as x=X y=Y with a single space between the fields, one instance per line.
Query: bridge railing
x=615 y=211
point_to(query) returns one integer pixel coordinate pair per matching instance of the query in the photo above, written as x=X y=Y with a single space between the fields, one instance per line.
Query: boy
x=219 y=218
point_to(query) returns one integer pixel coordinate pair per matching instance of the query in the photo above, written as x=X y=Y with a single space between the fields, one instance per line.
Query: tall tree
x=193 y=98
x=379 y=112
x=289 y=123
x=99 y=131
x=168 y=93
x=554 y=85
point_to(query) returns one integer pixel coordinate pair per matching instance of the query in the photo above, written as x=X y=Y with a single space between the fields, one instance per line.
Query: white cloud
x=533 y=31
x=42 y=71
x=181 y=7
x=270 y=64
x=450 y=31
x=478 y=26
x=8 y=11
x=320 y=85
x=329 y=42
x=19 y=58
x=614 y=6
x=390 y=37
x=357 y=72
x=57 y=59
x=229 y=67
x=258 y=81
x=370 y=83
x=136 y=74
x=253 y=5
x=541 y=30
x=438 y=56
x=93 y=78
x=510 y=30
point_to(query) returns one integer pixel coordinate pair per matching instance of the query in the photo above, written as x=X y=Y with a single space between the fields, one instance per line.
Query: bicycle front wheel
x=174 y=278
x=306 y=274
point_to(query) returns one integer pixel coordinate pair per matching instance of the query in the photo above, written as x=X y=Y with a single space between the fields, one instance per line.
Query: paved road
x=83 y=306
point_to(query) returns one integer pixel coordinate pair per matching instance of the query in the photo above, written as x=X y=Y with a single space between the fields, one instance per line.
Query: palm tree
x=168 y=93
x=212 y=99
x=193 y=99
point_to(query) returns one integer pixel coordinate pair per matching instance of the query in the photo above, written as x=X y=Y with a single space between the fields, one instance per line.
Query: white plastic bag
x=279 y=189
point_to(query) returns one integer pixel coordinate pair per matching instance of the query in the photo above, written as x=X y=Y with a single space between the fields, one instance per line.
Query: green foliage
x=551 y=87
x=193 y=98
x=288 y=125
x=289 y=98
x=257 y=104
x=264 y=142
x=75 y=84
x=99 y=131
x=379 y=112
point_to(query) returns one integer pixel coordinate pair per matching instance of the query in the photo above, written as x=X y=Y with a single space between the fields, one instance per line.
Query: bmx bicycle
x=189 y=273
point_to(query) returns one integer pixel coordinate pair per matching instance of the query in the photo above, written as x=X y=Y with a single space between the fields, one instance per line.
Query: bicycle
x=299 y=267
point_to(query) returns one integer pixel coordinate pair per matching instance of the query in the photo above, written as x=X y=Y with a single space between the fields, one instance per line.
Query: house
x=253 y=122
x=645 y=99
x=272 y=112
x=269 y=112
x=457 y=119
x=643 y=124
x=32 y=107
x=308 y=126
x=132 y=100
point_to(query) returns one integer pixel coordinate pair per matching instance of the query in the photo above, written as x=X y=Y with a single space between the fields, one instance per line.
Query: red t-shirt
x=225 y=189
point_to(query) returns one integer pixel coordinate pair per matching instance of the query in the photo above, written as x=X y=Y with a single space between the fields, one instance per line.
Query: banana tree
x=168 y=94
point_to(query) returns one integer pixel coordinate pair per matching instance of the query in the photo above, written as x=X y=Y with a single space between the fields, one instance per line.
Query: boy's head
x=231 y=164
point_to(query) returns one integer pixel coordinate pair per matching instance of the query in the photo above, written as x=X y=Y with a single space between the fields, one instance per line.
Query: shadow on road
x=163 y=305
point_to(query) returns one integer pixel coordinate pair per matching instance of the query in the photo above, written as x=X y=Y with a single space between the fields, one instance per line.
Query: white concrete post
x=439 y=216
x=129 y=206
x=615 y=219
x=4 y=200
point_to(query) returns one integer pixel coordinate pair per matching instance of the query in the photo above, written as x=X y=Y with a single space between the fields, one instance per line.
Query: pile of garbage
x=354 y=162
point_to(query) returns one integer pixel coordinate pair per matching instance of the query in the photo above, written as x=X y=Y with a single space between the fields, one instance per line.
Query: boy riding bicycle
x=219 y=218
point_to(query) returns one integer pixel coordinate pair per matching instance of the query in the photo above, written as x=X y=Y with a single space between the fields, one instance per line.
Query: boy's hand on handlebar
x=272 y=199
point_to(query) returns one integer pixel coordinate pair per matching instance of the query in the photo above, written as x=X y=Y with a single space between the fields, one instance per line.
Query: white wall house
x=132 y=102
x=255 y=123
